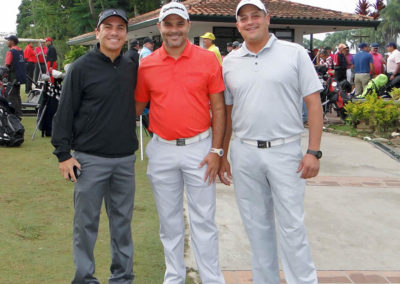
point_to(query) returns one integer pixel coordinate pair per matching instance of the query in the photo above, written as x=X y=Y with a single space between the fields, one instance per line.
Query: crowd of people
x=25 y=67
x=359 y=68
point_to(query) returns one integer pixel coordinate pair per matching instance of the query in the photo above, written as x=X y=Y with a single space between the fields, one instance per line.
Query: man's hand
x=66 y=168
x=225 y=174
x=213 y=161
x=391 y=77
x=309 y=166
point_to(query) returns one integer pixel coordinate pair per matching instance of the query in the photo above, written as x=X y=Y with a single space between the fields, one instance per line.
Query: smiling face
x=112 y=36
x=174 y=31
x=253 y=24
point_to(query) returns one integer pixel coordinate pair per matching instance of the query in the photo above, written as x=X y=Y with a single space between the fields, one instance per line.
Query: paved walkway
x=244 y=277
x=352 y=218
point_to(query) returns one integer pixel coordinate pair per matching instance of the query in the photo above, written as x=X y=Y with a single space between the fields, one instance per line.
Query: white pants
x=268 y=187
x=170 y=168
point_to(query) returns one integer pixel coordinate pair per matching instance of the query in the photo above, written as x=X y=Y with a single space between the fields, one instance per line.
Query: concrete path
x=352 y=217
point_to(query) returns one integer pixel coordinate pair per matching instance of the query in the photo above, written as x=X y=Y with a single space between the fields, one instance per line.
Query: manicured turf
x=36 y=212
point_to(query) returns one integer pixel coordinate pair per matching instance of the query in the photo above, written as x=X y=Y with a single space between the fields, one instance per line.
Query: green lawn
x=36 y=213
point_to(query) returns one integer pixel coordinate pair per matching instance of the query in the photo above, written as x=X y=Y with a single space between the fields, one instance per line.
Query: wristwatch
x=317 y=154
x=219 y=152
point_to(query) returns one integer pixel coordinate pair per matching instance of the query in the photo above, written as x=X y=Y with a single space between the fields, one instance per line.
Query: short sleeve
x=308 y=79
x=397 y=57
x=227 y=94
x=216 y=82
x=141 y=92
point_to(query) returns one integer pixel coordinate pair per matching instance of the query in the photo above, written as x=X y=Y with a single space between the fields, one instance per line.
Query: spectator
x=363 y=66
x=30 y=59
x=325 y=59
x=182 y=81
x=349 y=60
x=133 y=52
x=236 y=45
x=393 y=61
x=377 y=59
x=331 y=55
x=97 y=120
x=340 y=63
x=41 y=52
x=17 y=75
x=148 y=47
x=229 y=47
x=208 y=42
x=51 y=57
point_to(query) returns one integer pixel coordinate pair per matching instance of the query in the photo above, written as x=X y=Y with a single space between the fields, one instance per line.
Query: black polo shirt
x=96 y=114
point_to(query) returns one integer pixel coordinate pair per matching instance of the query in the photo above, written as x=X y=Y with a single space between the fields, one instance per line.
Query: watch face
x=319 y=154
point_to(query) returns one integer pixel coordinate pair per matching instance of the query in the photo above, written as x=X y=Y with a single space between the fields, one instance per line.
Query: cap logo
x=173 y=7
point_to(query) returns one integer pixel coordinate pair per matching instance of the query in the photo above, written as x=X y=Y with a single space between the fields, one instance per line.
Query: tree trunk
x=90 y=2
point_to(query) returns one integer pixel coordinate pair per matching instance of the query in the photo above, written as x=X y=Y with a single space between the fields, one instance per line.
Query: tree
x=390 y=26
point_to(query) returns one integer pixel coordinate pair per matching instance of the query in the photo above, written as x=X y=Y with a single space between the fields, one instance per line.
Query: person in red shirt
x=30 y=59
x=181 y=81
x=377 y=60
x=41 y=52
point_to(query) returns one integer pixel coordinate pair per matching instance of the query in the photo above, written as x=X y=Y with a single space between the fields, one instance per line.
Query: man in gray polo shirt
x=266 y=81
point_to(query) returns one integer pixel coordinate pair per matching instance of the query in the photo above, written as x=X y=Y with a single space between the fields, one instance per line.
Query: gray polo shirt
x=267 y=89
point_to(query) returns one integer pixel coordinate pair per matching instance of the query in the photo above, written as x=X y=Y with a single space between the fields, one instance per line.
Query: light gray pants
x=360 y=81
x=268 y=187
x=114 y=180
x=170 y=168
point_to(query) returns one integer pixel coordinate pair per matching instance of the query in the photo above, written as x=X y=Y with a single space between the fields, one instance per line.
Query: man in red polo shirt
x=30 y=58
x=182 y=80
x=41 y=52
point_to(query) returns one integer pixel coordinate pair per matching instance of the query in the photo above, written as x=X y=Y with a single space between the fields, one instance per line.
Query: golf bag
x=11 y=129
x=48 y=104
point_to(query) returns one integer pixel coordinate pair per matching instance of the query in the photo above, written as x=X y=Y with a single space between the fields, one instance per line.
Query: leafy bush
x=395 y=93
x=380 y=115
x=74 y=53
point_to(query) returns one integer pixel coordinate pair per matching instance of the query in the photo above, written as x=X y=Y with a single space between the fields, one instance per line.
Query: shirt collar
x=186 y=52
x=105 y=57
x=243 y=51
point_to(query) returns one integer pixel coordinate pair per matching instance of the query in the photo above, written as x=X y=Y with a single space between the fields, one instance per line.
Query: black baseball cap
x=147 y=39
x=112 y=12
x=13 y=38
x=229 y=44
x=134 y=42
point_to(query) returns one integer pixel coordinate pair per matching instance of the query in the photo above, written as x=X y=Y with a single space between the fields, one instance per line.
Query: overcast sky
x=9 y=10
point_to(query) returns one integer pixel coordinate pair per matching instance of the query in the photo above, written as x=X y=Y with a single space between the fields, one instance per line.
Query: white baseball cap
x=260 y=5
x=173 y=8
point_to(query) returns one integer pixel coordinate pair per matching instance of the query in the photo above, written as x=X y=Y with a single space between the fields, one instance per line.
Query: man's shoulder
x=82 y=61
x=287 y=45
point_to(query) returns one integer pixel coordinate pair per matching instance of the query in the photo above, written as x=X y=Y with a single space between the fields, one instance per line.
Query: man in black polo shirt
x=96 y=118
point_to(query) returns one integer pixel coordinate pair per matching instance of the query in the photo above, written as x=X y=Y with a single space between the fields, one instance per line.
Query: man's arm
x=395 y=71
x=218 y=131
x=8 y=59
x=140 y=107
x=309 y=165
x=372 y=68
x=62 y=124
x=225 y=174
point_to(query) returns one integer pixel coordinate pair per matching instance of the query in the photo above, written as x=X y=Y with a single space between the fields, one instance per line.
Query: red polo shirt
x=179 y=90
x=40 y=54
x=29 y=54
